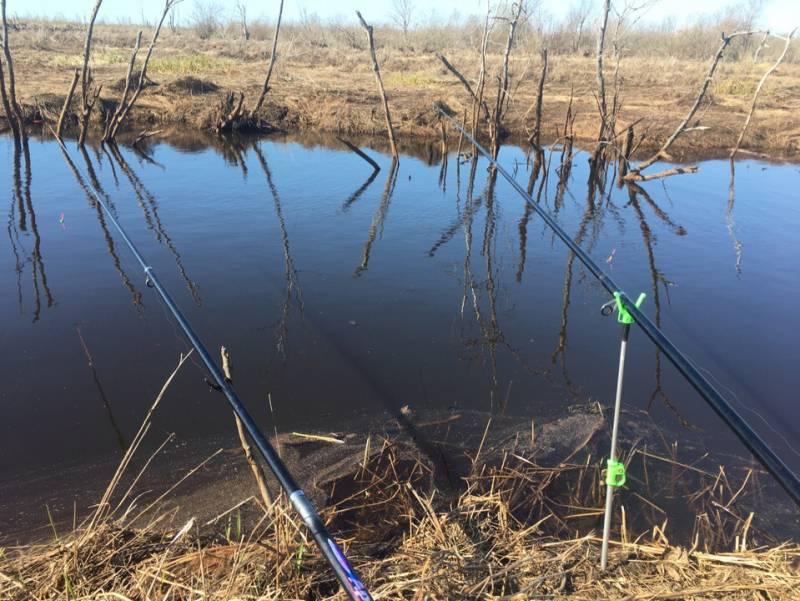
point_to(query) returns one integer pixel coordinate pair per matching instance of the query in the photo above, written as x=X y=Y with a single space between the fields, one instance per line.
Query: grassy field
x=329 y=86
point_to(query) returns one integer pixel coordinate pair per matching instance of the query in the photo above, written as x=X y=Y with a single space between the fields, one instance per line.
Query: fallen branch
x=662 y=152
x=638 y=177
x=449 y=66
x=360 y=153
x=258 y=474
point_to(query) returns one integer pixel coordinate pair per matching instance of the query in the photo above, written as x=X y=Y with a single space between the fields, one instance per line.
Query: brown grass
x=330 y=88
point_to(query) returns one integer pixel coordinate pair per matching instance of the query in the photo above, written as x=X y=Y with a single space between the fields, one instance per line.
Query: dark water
x=345 y=297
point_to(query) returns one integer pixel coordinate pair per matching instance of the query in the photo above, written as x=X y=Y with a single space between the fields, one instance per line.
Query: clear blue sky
x=778 y=15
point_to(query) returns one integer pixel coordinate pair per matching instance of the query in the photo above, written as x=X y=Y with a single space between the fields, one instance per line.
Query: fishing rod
x=721 y=406
x=330 y=550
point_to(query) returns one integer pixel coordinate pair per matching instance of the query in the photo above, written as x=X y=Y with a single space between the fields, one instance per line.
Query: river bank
x=465 y=505
x=332 y=90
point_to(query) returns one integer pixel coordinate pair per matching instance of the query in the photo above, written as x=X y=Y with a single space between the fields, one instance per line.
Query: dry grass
x=329 y=87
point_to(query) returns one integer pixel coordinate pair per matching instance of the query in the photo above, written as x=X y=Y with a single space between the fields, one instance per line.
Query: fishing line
x=723 y=408
x=302 y=505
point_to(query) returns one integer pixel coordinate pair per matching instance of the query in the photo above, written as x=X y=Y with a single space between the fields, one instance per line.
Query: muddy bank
x=439 y=452
x=450 y=506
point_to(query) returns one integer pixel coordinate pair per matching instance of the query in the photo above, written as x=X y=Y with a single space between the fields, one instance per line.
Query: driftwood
x=272 y=58
x=682 y=127
x=360 y=153
x=125 y=105
x=638 y=177
x=769 y=72
x=258 y=473
x=9 y=95
x=88 y=96
x=377 y=71
x=67 y=103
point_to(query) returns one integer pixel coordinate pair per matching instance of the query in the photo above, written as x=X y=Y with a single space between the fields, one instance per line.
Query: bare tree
x=67 y=103
x=9 y=96
x=241 y=12
x=89 y=92
x=402 y=14
x=376 y=69
x=787 y=42
x=272 y=58
x=126 y=103
x=518 y=10
x=577 y=17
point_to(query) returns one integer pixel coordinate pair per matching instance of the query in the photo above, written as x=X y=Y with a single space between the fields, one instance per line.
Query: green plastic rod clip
x=623 y=316
x=615 y=474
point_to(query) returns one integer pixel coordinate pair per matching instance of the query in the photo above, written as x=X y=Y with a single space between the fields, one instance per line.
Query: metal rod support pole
x=623 y=345
x=721 y=406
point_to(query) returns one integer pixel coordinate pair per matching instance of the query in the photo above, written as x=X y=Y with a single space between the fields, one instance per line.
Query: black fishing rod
x=765 y=455
x=334 y=556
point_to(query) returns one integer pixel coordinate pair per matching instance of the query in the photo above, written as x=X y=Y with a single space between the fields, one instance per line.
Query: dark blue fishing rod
x=330 y=550
x=765 y=455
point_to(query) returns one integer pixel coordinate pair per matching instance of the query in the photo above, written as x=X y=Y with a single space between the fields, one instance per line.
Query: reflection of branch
x=357 y=194
x=290 y=273
x=378 y=219
x=101 y=392
x=448 y=234
x=737 y=245
x=154 y=222
x=561 y=348
x=657 y=278
x=13 y=238
x=136 y=296
x=38 y=262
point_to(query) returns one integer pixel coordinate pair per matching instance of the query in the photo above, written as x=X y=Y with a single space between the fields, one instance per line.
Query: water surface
x=344 y=296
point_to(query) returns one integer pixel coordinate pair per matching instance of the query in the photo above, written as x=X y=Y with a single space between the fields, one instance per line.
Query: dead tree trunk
x=111 y=127
x=502 y=99
x=9 y=96
x=634 y=174
x=535 y=138
x=127 y=106
x=88 y=96
x=272 y=58
x=67 y=103
x=596 y=161
x=377 y=71
x=625 y=157
x=758 y=91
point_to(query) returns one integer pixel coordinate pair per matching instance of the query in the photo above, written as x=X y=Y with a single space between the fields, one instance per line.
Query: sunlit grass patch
x=190 y=65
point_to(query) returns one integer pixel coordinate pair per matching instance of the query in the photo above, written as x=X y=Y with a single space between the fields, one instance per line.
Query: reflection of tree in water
x=22 y=207
x=135 y=294
x=377 y=220
x=290 y=273
x=658 y=280
x=149 y=205
x=491 y=337
x=731 y=224
x=560 y=351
